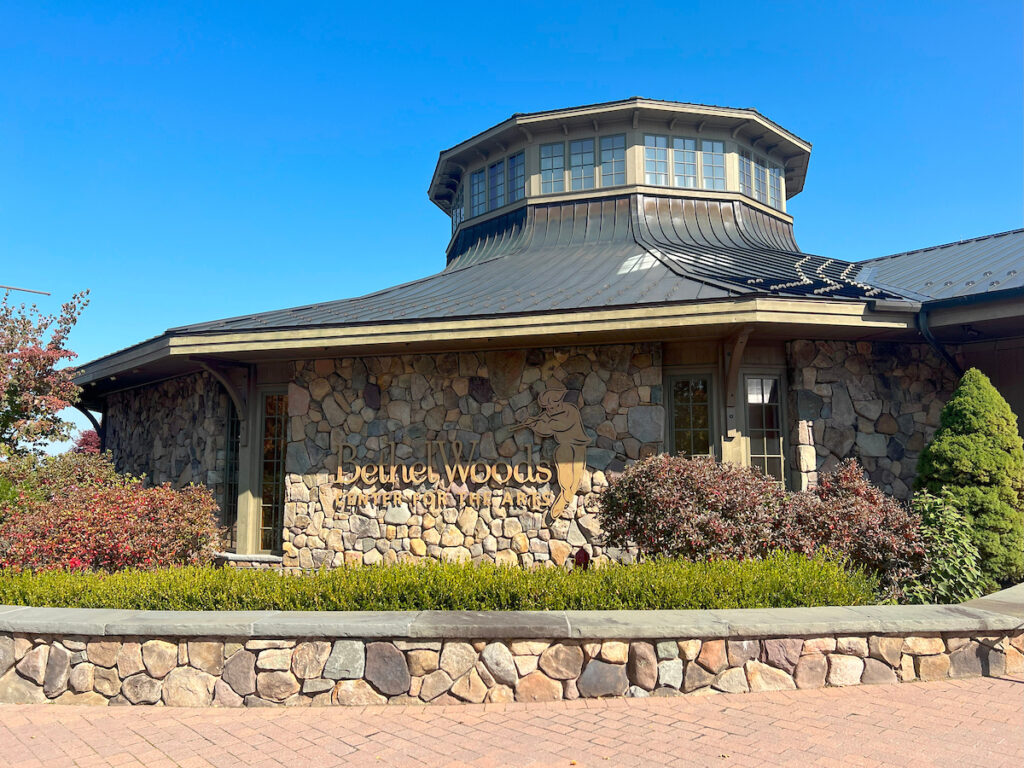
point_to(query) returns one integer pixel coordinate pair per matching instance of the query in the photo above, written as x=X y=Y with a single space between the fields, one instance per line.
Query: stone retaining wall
x=258 y=672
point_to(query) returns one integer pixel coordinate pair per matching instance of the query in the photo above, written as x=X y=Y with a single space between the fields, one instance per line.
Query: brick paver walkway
x=977 y=722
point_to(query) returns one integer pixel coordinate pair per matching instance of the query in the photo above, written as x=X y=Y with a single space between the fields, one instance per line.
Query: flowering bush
x=848 y=515
x=695 y=508
x=74 y=511
x=698 y=509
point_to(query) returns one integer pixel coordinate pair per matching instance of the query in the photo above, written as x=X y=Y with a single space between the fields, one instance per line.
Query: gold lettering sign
x=455 y=464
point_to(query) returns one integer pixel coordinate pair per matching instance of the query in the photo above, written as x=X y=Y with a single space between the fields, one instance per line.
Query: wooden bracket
x=216 y=368
x=738 y=343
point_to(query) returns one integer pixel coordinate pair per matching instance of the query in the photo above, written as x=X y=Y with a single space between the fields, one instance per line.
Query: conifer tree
x=976 y=459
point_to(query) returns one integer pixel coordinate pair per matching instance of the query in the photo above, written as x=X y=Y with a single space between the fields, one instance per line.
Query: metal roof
x=964 y=268
x=627 y=251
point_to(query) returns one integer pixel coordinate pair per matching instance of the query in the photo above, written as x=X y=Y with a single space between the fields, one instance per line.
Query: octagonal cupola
x=635 y=145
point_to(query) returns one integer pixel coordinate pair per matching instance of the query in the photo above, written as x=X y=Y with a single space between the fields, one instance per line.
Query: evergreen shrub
x=976 y=457
x=777 y=581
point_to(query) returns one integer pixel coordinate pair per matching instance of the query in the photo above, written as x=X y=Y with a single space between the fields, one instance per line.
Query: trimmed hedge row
x=777 y=581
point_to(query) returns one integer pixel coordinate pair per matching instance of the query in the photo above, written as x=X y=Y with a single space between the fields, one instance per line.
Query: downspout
x=922 y=326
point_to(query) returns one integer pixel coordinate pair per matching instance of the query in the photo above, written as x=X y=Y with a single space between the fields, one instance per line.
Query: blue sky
x=193 y=161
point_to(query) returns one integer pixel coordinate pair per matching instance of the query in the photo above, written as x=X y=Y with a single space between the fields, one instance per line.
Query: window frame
x=559 y=183
x=667 y=159
x=474 y=209
x=515 y=192
x=767 y=371
x=704 y=165
x=458 y=207
x=571 y=167
x=258 y=475
x=675 y=373
x=600 y=173
x=496 y=189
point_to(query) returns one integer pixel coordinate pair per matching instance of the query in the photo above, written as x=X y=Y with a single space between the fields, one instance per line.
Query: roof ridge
x=943 y=245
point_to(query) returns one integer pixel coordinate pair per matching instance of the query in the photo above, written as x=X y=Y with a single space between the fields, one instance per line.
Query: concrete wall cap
x=614 y=625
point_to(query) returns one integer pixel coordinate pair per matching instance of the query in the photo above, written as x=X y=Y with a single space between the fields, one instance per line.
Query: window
x=775 y=187
x=581 y=164
x=613 y=160
x=656 y=160
x=552 y=168
x=516 y=177
x=230 y=506
x=496 y=191
x=713 y=155
x=478 y=193
x=458 y=209
x=275 y=428
x=746 y=174
x=764 y=424
x=684 y=162
x=760 y=181
x=690 y=414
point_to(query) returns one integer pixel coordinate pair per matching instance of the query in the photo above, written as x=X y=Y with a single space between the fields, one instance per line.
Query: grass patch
x=781 y=580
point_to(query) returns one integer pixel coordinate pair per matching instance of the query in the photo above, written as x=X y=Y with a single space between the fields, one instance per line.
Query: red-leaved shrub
x=695 y=508
x=698 y=509
x=74 y=511
x=848 y=515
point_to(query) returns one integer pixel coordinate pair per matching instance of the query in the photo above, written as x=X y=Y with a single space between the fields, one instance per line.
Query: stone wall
x=172 y=432
x=877 y=402
x=369 y=407
x=295 y=672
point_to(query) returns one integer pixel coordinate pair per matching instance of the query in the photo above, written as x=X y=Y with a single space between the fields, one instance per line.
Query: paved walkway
x=977 y=722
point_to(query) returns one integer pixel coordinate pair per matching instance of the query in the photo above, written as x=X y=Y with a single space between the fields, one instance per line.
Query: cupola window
x=516 y=177
x=581 y=164
x=458 y=209
x=552 y=168
x=684 y=156
x=656 y=160
x=496 y=179
x=478 y=193
x=760 y=179
x=613 y=160
x=713 y=153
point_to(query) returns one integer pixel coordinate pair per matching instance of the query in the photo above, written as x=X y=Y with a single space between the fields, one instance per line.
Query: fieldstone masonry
x=105 y=671
x=378 y=405
x=878 y=402
x=172 y=432
x=875 y=401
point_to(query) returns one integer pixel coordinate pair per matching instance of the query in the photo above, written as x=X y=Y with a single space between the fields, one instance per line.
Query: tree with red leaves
x=88 y=441
x=33 y=389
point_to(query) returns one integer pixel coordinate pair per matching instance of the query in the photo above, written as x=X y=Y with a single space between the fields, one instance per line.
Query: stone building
x=622 y=280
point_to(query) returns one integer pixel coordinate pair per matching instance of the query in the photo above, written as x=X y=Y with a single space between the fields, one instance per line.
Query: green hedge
x=780 y=580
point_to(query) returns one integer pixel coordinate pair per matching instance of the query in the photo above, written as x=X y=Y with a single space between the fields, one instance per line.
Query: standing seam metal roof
x=632 y=250
x=965 y=268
